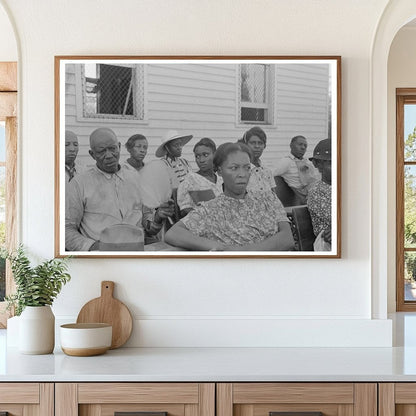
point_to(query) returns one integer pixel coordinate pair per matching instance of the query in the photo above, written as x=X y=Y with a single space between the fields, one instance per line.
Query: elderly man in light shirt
x=298 y=172
x=104 y=196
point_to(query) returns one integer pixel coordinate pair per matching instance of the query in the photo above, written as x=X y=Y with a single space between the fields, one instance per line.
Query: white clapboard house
x=220 y=101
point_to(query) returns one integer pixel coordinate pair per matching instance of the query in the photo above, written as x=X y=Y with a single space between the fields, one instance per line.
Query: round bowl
x=83 y=340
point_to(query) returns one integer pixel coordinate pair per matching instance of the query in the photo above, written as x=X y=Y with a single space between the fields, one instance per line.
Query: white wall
x=212 y=302
x=401 y=74
x=8 y=46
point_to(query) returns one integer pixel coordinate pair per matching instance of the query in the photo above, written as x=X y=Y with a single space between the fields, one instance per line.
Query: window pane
x=2 y=142
x=253 y=114
x=410 y=132
x=410 y=206
x=409 y=275
x=108 y=90
x=253 y=83
x=2 y=228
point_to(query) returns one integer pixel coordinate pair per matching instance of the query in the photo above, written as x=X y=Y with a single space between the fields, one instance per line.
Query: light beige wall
x=8 y=46
x=181 y=295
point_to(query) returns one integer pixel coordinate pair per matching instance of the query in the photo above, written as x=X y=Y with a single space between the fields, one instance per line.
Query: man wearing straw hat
x=160 y=178
x=170 y=151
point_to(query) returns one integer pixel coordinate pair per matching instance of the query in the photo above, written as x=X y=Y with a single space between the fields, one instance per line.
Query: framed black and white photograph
x=198 y=156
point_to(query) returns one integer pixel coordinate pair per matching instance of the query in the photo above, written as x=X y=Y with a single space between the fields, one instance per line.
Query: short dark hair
x=255 y=131
x=206 y=141
x=133 y=139
x=227 y=148
x=297 y=137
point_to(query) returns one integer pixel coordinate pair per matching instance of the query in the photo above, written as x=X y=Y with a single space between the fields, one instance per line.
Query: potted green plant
x=36 y=289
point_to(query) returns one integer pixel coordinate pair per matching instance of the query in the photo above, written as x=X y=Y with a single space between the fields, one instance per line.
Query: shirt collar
x=171 y=159
x=119 y=173
x=295 y=158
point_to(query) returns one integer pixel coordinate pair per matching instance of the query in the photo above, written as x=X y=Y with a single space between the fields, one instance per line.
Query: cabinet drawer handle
x=139 y=414
x=295 y=413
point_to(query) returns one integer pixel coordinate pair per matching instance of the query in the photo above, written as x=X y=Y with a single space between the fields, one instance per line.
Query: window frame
x=8 y=113
x=270 y=103
x=139 y=74
x=403 y=96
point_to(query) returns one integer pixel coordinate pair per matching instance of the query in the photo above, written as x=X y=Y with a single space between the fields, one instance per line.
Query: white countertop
x=215 y=364
x=222 y=364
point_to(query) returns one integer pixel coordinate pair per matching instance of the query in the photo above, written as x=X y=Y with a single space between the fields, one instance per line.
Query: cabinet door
x=297 y=399
x=26 y=399
x=143 y=399
x=397 y=399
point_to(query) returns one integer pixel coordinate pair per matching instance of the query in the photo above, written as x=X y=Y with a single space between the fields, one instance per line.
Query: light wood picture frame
x=292 y=102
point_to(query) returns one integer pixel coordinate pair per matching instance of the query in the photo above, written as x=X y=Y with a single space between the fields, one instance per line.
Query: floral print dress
x=234 y=221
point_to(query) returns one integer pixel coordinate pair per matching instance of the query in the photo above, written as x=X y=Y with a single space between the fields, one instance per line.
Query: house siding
x=201 y=99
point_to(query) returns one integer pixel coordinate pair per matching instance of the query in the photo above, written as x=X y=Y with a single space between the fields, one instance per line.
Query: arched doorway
x=395 y=16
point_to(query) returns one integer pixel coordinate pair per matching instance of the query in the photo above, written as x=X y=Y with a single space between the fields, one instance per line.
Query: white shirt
x=297 y=173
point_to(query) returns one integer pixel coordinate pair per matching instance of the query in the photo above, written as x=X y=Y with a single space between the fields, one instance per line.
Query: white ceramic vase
x=37 y=330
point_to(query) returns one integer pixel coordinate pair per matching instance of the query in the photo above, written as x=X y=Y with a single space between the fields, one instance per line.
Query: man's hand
x=165 y=210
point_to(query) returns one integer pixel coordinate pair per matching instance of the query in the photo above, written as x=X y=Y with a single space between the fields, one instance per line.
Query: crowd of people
x=230 y=203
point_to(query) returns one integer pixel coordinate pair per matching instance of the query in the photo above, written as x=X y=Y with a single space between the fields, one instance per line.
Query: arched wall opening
x=401 y=74
x=396 y=15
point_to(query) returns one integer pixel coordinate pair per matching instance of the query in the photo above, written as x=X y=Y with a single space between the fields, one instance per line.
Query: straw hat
x=122 y=237
x=169 y=136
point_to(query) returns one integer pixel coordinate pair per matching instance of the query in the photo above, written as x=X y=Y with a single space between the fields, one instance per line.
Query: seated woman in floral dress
x=237 y=220
x=202 y=185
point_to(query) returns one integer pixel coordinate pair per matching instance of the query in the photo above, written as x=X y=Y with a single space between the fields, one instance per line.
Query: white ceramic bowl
x=83 y=340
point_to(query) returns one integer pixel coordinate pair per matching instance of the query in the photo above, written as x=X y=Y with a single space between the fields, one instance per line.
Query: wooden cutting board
x=108 y=310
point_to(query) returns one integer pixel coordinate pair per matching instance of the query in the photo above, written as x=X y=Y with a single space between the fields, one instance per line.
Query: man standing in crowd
x=103 y=198
x=298 y=172
x=72 y=168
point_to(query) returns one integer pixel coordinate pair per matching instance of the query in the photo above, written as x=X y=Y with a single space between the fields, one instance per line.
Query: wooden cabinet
x=332 y=399
x=208 y=399
x=105 y=399
x=397 y=399
x=27 y=399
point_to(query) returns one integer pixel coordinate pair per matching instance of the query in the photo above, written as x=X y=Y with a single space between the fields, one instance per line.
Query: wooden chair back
x=303 y=227
x=285 y=193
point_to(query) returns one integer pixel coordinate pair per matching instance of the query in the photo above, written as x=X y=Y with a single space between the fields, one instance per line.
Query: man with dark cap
x=320 y=197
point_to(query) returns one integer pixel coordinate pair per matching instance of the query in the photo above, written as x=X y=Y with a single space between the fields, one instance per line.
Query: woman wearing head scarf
x=237 y=220
x=261 y=178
